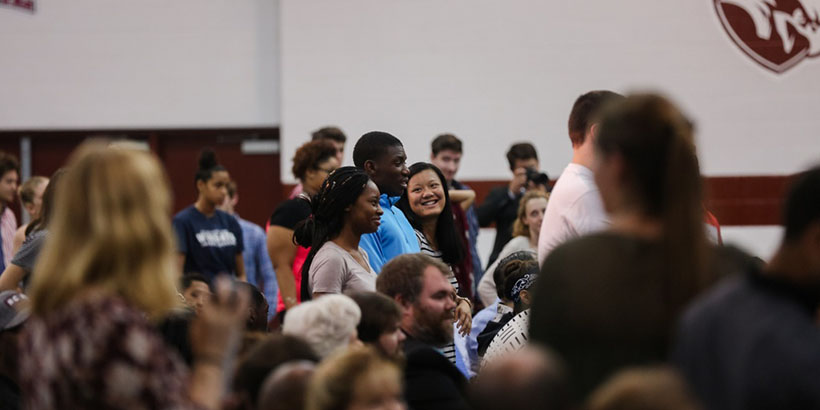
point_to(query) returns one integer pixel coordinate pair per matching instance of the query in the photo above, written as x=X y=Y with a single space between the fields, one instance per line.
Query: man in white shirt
x=575 y=206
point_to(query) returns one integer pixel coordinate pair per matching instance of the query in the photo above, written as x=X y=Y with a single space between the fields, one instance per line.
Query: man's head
x=584 y=113
x=195 y=290
x=522 y=156
x=9 y=178
x=419 y=285
x=229 y=204
x=446 y=155
x=382 y=157
x=801 y=218
x=334 y=135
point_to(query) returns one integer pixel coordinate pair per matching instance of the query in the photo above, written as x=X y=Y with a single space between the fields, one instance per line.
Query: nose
x=379 y=211
x=404 y=170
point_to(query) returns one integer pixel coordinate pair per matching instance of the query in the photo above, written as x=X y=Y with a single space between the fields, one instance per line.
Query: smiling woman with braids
x=346 y=207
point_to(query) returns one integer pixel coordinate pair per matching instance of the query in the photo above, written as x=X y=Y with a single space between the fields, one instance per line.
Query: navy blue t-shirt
x=210 y=244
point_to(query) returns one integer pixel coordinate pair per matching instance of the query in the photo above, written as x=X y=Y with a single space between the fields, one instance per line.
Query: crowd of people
x=364 y=290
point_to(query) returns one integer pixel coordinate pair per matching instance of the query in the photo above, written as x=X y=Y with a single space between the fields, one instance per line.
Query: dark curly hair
x=310 y=155
x=207 y=165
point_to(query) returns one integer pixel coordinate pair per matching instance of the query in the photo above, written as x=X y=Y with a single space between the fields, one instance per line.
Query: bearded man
x=419 y=285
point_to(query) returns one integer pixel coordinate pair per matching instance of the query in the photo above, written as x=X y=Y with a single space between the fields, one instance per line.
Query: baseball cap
x=14 y=309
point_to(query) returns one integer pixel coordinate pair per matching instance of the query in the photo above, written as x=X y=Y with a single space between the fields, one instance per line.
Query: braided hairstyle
x=340 y=190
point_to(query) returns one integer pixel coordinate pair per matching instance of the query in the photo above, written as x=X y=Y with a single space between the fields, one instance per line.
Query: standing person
x=345 y=209
x=525 y=238
x=337 y=139
x=209 y=240
x=610 y=299
x=426 y=203
x=9 y=178
x=575 y=206
x=31 y=196
x=106 y=273
x=312 y=163
x=22 y=264
x=501 y=204
x=446 y=152
x=419 y=284
x=753 y=342
x=258 y=267
x=382 y=157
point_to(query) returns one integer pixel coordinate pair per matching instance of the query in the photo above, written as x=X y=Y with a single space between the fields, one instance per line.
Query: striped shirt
x=448 y=351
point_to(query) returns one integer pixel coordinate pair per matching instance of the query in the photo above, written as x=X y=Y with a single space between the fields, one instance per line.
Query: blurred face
x=33 y=208
x=365 y=214
x=315 y=177
x=425 y=193
x=8 y=187
x=389 y=171
x=197 y=295
x=340 y=151
x=534 y=215
x=448 y=162
x=379 y=389
x=390 y=342
x=523 y=164
x=215 y=190
x=433 y=312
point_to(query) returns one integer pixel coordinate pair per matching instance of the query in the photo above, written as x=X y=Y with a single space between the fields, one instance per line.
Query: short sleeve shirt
x=210 y=244
x=334 y=270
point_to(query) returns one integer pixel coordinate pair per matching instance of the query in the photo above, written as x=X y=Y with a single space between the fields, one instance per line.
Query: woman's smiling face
x=425 y=194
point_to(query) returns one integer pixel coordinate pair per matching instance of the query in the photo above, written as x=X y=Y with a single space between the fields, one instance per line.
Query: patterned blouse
x=99 y=353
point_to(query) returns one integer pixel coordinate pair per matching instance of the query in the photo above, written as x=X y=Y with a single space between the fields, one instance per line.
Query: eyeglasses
x=326 y=170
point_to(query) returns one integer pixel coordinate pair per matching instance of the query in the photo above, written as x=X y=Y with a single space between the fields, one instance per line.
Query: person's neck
x=789 y=263
x=205 y=207
x=633 y=223
x=584 y=154
x=309 y=191
x=428 y=228
x=348 y=239
x=534 y=239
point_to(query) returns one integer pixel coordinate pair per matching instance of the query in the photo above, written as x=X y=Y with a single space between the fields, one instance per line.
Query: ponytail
x=207 y=165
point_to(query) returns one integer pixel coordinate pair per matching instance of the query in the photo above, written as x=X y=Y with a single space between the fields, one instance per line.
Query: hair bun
x=207 y=159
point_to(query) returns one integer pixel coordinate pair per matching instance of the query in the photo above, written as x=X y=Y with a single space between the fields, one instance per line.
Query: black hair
x=340 y=190
x=257 y=298
x=189 y=278
x=516 y=270
x=802 y=207
x=521 y=151
x=8 y=162
x=207 y=165
x=505 y=268
x=372 y=146
x=449 y=242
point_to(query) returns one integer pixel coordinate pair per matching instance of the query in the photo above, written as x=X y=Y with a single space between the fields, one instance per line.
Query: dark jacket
x=502 y=208
x=431 y=382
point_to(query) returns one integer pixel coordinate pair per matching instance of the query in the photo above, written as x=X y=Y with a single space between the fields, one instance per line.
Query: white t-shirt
x=574 y=209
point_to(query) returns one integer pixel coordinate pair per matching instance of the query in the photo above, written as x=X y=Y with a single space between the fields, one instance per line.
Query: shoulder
x=185 y=214
x=329 y=251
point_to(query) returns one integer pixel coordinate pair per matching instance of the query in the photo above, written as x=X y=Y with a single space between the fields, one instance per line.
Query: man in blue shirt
x=382 y=157
x=258 y=266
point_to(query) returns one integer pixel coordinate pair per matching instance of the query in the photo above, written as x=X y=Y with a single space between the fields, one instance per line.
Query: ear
x=370 y=167
x=525 y=297
x=406 y=307
x=592 y=133
x=432 y=157
x=200 y=185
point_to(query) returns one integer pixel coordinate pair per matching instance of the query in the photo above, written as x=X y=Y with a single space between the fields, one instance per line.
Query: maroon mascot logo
x=777 y=34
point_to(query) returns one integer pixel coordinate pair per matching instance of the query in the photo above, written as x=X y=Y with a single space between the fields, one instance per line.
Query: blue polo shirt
x=394 y=237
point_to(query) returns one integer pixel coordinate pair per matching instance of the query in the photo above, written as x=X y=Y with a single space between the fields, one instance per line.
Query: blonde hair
x=334 y=381
x=26 y=190
x=325 y=323
x=111 y=231
x=519 y=229
x=644 y=388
